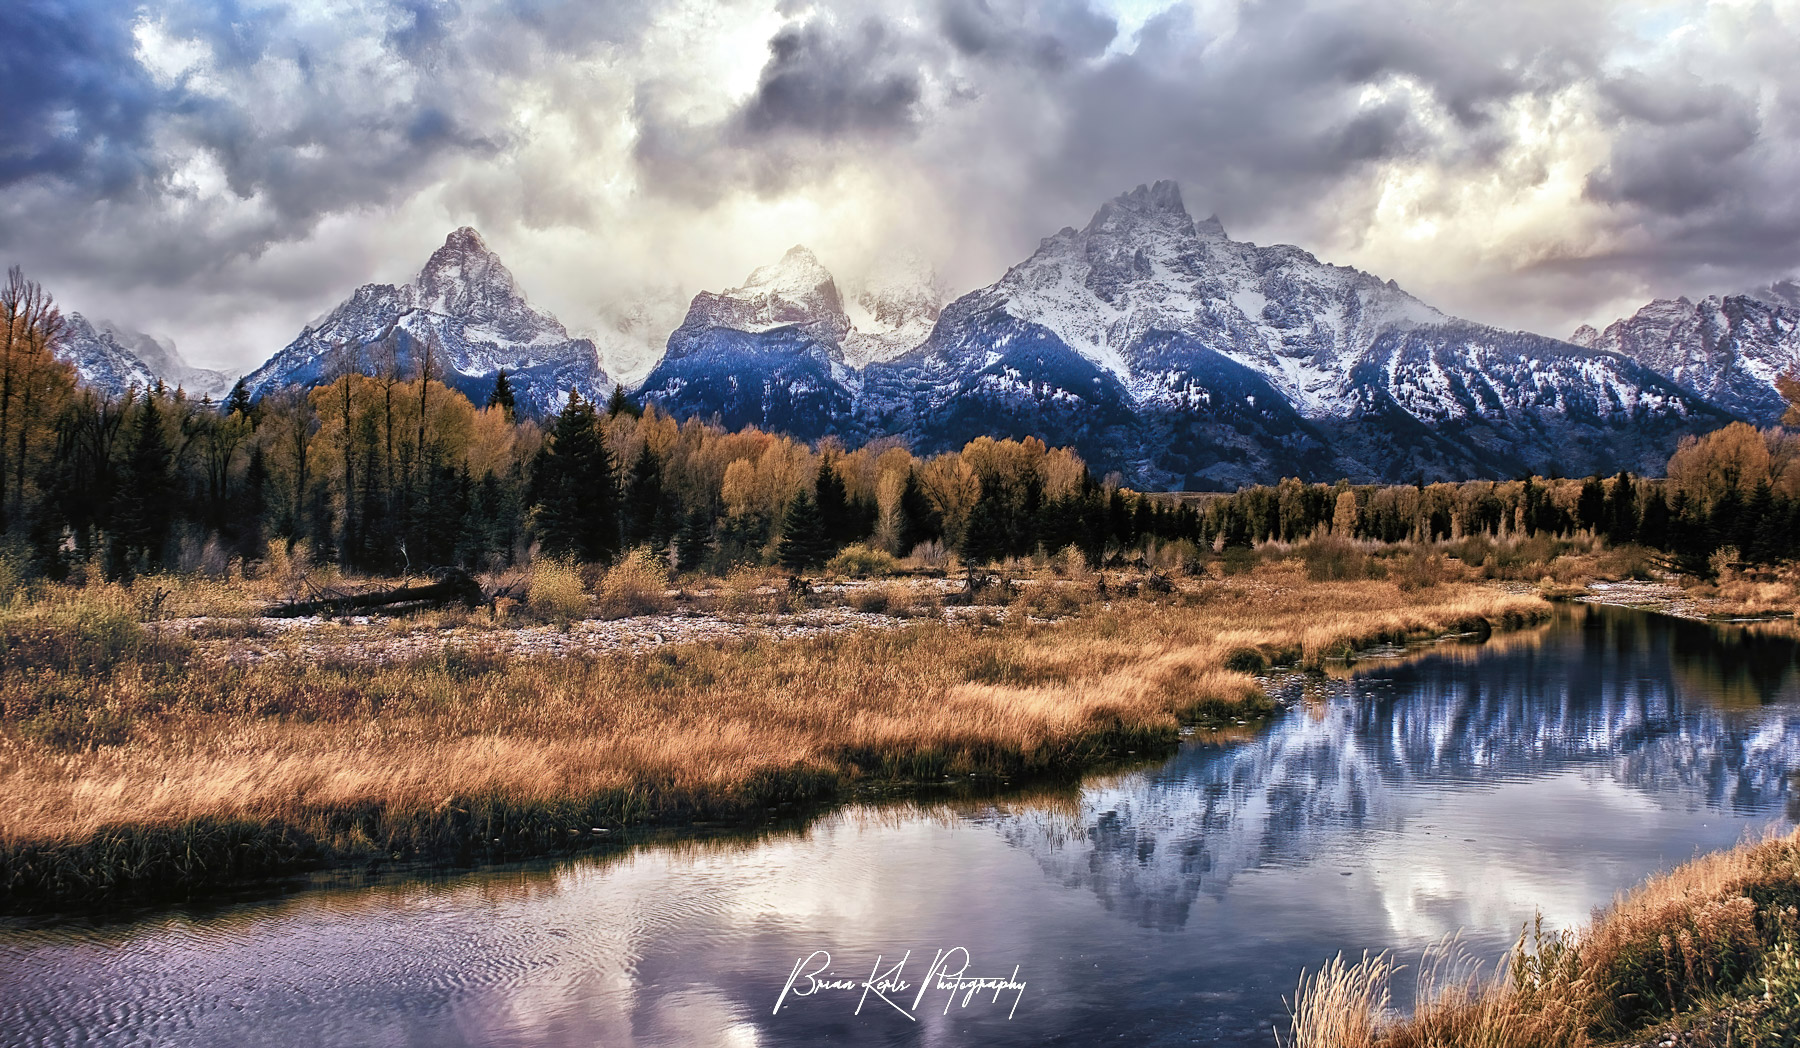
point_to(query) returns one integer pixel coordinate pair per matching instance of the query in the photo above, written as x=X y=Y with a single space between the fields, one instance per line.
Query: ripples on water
x=1463 y=788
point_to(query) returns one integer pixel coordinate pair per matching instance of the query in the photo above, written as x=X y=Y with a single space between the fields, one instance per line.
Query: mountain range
x=1155 y=344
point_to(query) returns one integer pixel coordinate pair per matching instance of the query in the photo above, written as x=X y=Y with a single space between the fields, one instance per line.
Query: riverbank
x=140 y=760
x=1706 y=955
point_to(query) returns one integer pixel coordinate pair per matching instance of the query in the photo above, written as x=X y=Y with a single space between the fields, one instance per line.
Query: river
x=1464 y=788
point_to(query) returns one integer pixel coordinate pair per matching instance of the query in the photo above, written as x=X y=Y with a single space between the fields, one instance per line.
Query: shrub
x=1236 y=560
x=637 y=585
x=872 y=600
x=556 y=593
x=931 y=555
x=1337 y=560
x=1420 y=570
x=860 y=559
x=1629 y=562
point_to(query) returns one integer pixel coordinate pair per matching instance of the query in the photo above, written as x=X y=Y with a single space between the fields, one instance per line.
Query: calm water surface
x=1467 y=789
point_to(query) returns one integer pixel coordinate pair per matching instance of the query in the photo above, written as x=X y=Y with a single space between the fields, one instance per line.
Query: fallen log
x=452 y=587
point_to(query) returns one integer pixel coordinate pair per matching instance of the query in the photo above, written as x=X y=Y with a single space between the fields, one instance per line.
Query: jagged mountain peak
x=1728 y=349
x=112 y=359
x=798 y=279
x=796 y=291
x=467 y=307
x=466 y=278
x=1159 y=205
x=1784 y=292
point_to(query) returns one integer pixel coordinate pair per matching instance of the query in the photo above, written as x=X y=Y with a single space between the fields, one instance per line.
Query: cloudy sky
x=220 y=172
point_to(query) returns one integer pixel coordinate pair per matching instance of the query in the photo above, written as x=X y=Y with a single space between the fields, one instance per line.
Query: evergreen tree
x=920 y=519
x=804 y=543
x=645 y=513
x=251 y=501
x=984 y=536
x=238 y=403
x=692 y=541
x=502 y=396
x=1622 y=511
x=143 y=507
x=572 y=485
x=834 y=506
x=620 y=404
x=1590 y=507
x=1755 y=532
x=1118 y=518
x=1653 y=523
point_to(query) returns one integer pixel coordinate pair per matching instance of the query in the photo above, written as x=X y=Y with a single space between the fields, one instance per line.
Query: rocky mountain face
x=1728 y=350
x=100 y=361
x=112 y=360
x=467 y=309
x=1156 y=345
x=782 y=352
x=1163 y=348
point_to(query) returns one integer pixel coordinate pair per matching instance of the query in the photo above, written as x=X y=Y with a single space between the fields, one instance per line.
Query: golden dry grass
x=1707 y=948
x=470 y=754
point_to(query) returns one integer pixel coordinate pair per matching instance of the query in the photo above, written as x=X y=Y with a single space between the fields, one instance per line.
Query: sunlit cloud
x=221 y=173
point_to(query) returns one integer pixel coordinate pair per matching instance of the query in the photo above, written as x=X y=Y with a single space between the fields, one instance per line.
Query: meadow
x=141 y=753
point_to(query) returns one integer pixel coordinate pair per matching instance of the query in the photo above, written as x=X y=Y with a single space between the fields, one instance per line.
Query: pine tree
x=834 y=506
x=1653 y=523
x=238 y=403
x=143 y=506
x=1590 y=507
x=692 y=541
x=984 y=536
x=502 y=396
x=572 y=486
x=804 y=543
x=1755 y=532
x=920 y=520
x=644 y=510
x=620 y=404
x=1622 y=511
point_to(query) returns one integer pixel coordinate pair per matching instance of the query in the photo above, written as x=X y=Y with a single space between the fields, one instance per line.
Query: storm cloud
x=223 y=171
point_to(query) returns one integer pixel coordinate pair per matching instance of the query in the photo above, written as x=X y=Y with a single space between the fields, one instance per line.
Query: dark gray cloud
x=824 y=82
x=1049 y=35
x=77 y=107
x=260 y=124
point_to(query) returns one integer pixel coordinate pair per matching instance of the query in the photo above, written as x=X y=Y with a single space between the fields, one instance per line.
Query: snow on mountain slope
x=1729 y=350
x=892 y=311
x=1142 y=265
x=782 y=352
x=167 y=363
x=101 y=362
x=113 y=359
x=465 y=306
x=768 y=353
x=1233 y=362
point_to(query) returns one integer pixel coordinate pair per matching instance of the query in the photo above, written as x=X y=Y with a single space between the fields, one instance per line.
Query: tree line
x=385 y=469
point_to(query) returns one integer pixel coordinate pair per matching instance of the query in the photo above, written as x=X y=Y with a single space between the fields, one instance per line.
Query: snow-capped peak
x=1142 y=265
x=1729 y=350
x=466 y=308
x=893 y=309
x=1159 y=204
x=794 y=292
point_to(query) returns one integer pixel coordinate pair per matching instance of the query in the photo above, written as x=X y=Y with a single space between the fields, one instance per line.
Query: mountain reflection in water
x=1672 y=708
x=1459 y=788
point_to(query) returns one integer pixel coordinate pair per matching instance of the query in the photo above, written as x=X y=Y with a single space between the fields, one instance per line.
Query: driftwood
x=454 y=586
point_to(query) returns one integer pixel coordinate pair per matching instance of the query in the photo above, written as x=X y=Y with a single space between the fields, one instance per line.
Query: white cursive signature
x=948 y=974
